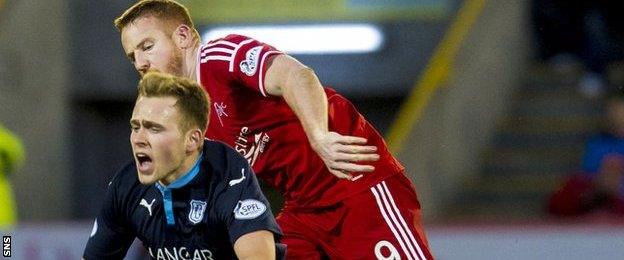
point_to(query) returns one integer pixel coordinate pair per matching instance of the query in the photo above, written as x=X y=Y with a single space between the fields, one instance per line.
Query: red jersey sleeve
x=240 y=58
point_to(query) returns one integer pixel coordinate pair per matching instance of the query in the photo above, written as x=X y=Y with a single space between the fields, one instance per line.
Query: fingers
x=341 y=175
x=347 y=139
x=341 y=153
x=366 y=157
x=356 y=153
x=356 y=149
x=351 y=167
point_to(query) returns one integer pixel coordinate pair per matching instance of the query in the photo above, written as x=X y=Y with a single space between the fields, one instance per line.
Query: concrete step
x=511 y=186
x=550 y=153
x=554 y=107
x=506 y=196
x=538 y=141
x=530 y=169
x=500 y=210
x=536 y=146
x=544 y=125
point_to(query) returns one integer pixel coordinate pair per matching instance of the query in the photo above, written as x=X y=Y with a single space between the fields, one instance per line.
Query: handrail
x=435 y=74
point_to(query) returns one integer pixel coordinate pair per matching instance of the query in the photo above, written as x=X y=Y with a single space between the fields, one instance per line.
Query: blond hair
x=192 y=100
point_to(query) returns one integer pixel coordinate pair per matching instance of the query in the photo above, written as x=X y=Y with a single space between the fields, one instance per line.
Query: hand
x=340 y=153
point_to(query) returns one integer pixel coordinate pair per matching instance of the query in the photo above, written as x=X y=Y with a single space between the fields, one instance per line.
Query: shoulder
x=122 y=193
x=229 y=39
x=127 y=173
x=216 y=148
x=125 y=180
x=225 y=166
x=219 y=54
x=226 y=45
x=221 y=157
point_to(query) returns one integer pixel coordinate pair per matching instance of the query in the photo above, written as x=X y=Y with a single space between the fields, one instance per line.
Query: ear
x=183 y=36
x=194 y=140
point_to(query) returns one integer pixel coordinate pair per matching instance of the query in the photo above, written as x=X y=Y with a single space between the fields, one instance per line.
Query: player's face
x=148 y=44
x=157 y=142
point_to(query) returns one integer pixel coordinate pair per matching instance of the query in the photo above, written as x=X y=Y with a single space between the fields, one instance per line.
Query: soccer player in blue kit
x=184 y=197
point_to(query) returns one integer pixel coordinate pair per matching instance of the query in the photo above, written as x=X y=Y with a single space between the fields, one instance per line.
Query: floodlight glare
x=310 y=39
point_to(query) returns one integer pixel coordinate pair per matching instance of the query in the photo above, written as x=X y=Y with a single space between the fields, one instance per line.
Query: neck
x=190 y=60
x=181 y=171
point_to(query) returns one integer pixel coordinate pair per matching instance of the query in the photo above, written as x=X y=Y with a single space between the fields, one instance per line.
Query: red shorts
x=380 y=223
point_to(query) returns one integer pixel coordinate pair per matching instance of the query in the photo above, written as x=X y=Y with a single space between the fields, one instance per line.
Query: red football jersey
x=266 y=131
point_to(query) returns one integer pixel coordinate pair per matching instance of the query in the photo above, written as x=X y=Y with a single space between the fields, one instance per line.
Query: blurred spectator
x=591 y=32
x=600 y=184
x=11 y=158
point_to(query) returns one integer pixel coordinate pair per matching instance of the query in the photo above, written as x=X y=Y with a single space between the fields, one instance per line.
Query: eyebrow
x=130 y=55
x=150 y=124
x=146 y=123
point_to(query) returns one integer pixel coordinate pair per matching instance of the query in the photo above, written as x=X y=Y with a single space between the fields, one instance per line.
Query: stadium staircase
x=539 y=141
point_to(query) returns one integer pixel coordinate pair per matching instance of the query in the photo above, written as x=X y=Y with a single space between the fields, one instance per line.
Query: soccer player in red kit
x=345 y=196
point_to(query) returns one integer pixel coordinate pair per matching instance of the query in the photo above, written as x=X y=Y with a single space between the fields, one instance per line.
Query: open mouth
x=144 y=162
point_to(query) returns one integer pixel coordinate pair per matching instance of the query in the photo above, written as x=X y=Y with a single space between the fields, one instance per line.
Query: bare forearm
x=302 y=91
x=305 y=96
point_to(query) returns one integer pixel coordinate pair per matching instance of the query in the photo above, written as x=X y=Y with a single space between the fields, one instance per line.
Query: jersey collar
x=166 y=190
x=186 y=178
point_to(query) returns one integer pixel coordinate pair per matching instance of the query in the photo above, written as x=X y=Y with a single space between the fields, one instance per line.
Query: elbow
x=302 y=72
x=301 y=77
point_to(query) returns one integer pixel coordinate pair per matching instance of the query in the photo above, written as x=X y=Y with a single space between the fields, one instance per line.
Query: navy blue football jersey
x=198 y=216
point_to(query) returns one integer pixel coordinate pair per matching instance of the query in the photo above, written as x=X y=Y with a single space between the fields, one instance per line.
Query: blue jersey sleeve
x=242 y=206
x=109 y=238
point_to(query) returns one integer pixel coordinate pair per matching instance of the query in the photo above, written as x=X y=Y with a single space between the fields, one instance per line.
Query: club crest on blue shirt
x=196 y=214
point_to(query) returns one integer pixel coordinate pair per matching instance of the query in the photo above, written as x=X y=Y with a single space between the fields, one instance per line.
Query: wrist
x=316 y=138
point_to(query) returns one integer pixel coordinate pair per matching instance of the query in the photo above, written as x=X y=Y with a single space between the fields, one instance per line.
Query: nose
x=138 y=138
x=141 y=64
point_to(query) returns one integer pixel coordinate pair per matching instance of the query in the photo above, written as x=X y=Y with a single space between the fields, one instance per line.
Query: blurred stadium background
x=485 y=131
